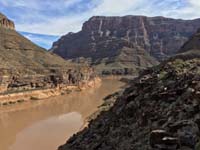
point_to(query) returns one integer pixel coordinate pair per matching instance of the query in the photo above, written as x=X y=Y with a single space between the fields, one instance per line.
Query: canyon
x=158 y=111
x=63 y=93
x=125 y=45
x=45 y=124
x=39 y=88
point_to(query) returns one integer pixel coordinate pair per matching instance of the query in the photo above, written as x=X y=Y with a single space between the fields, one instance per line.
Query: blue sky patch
x=44 y=41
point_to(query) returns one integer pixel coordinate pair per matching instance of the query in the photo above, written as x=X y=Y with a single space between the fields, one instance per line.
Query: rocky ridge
x=6 y=23
x=159 y=111
x=105 y=42
x=27 y=67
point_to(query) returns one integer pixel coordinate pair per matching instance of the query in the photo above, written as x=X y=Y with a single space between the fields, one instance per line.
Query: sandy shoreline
x=15 y=98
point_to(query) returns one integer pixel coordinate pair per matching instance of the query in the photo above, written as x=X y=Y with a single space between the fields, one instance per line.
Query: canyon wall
x=159 y=36
x=42 y=87
x=19 y=83
x=27 y=69
x=116 y=44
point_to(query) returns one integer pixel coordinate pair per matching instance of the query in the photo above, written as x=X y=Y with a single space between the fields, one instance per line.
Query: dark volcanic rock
x=162 y=139
x=101 y=37
x=159 y=111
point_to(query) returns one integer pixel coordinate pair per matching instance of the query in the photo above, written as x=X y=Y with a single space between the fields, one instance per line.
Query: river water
x=46 y=124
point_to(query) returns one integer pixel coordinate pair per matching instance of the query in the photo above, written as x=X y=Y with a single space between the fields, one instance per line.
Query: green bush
x=20 y=100
x=197 y=147
x=34 y=98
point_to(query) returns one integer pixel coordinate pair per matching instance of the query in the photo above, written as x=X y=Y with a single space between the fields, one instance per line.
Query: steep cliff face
x=158 y=36
x=159 y=111
x=6 y=23
x=193 y=43
x=26 y=66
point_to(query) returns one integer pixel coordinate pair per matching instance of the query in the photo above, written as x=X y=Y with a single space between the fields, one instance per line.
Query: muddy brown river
x=46 y=124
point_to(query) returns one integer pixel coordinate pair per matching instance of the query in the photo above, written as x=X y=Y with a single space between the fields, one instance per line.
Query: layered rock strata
x=26 y=67
x=117 y=44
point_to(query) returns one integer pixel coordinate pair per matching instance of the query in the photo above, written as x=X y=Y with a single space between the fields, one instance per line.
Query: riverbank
x=13 y=98
x=54 y=119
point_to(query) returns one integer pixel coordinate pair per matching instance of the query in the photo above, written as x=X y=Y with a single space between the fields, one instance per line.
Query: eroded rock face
x=193 y=43
x=25 y=66
x=116 y=44
x=6 y=23
x=14 y=82
x=159 y=36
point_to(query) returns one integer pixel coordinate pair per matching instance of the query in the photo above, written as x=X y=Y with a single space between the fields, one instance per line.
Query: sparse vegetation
x=34 y=98
x=197 y=147
x=165 y=97
x=20 y=100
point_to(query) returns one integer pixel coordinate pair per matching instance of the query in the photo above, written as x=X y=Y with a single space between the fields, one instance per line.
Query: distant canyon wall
x=161 y=37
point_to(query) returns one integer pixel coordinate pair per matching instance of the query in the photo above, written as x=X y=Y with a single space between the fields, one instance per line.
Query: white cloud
x=42 y=40
x=17 y=3
x=72 y=23
x=113 y=7
x=39 y=4
x=64 y=19
x=194 y=3
x=192 y=11
x=37 y=39
x=56 y=26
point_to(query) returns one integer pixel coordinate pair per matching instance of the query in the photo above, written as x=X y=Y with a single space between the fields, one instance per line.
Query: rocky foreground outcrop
x=115 y=44
x=159 y=111
x=26 y=67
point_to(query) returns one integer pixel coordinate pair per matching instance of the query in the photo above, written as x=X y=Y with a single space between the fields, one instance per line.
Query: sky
x=44 y=21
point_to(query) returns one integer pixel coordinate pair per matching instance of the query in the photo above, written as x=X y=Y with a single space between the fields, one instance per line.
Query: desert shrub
x=198 y=146
x=34 y=98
